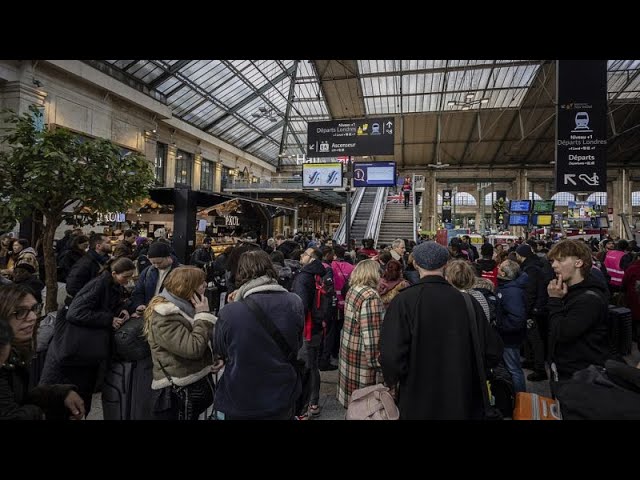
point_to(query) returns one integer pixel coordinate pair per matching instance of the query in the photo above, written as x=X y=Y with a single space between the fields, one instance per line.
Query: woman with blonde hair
x=462 y=275
x=178 y=326
x=363 y=313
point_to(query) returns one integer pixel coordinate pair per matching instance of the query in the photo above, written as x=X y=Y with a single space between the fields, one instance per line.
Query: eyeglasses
x=23 y=313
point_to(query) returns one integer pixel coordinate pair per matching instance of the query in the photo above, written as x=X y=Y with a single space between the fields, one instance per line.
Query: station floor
x=332 y=410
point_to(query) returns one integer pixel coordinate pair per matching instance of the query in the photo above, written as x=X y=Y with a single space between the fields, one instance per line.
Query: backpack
x=129 y=342
x=491 y=275
x=324 y=299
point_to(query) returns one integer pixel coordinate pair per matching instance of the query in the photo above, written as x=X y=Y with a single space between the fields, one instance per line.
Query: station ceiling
x=457 y=112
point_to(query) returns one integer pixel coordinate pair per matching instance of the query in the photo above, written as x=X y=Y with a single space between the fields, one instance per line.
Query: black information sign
x=581 y=126
x=371 y=136
x=446 y=206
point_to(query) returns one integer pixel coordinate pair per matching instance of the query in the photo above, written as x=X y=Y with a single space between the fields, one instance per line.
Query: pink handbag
x=372 y=403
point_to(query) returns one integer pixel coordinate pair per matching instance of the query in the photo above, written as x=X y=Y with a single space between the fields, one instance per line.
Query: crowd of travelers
x=245 y=334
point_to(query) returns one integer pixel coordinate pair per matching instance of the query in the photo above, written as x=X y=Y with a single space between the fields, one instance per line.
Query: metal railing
x=377 y=214
x=341 y=232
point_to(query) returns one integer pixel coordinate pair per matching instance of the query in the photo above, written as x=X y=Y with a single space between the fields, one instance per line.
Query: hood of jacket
x=385 y=286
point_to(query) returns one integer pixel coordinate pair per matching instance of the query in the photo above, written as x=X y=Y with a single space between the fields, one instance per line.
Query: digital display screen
x=518 y=219
x=321 y=175
x=600 y=222
x=379 y=174
x=520 y=206
x=542 y=220
x=543 y=206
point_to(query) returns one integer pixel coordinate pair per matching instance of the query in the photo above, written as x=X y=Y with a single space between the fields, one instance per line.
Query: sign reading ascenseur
x=371 y=136
x=581 y=126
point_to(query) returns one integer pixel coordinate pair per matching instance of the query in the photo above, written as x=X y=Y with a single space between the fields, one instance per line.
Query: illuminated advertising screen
x=321 y=175
x=518 y=219
x=520 y=206
x=543 y=206
x=541 y=220
x=581 y=210
x=379 y=174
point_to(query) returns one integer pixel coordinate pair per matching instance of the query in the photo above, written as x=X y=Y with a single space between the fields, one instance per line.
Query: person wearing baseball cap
x=426 y=345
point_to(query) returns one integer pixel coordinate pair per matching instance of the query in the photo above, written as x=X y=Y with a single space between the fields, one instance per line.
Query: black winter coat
x=85 y=270
x=17 y=402
x=66 y=263
x=426 y=347
x=578 y=332
x=83 y=336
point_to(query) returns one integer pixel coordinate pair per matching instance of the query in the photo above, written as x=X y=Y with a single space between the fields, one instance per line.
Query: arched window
x=464 y=198
x=599 y=197
x=439 y=200
x=489 y=198
x=563 y=198
x=635 y=199
x=534 y=196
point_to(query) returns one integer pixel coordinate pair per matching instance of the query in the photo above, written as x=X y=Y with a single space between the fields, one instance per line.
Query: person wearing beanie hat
x=428 y=326
x=524 y=250
x=159 y=250
x=152 y=277
x=536 y=299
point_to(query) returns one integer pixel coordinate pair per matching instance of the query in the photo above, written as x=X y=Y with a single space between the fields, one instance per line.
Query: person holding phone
x=178 y=326
x=578 y=310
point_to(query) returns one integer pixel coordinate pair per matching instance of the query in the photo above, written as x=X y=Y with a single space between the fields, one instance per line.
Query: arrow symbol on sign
x=568 y=177
x=389 y=124
x=312 y=147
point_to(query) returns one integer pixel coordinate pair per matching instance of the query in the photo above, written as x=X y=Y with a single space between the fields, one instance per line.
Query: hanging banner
x=446 y=206
x=581 y=126
x=333 y=138
x=500 y=206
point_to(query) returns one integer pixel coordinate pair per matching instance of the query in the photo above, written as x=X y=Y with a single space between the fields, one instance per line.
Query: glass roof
x=263 y=106
x=420 y=86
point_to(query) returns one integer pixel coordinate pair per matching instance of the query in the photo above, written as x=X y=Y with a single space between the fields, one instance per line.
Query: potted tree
x=52 y=174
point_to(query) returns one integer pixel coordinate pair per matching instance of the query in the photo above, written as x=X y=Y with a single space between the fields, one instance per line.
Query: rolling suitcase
x=620 y=330
x=531 y=406
x=126 y=391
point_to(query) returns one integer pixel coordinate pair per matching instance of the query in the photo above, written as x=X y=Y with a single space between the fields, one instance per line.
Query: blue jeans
x=511 y=357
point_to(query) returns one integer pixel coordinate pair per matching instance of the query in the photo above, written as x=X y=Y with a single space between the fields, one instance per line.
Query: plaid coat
x=359 y=351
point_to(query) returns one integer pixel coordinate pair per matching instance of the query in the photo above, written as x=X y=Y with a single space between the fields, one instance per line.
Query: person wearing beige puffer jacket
x=178 y=326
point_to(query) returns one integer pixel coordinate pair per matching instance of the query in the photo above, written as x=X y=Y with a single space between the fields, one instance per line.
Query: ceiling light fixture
x=268 y=113
x=468 y=103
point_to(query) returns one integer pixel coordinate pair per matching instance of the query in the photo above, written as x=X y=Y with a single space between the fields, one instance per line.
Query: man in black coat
x=304 y=285
x=426 y=347
x=536 y=308
x=88 y=267
x=578 y=310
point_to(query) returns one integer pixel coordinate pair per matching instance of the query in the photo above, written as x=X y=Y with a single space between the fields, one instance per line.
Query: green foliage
x=50 y=170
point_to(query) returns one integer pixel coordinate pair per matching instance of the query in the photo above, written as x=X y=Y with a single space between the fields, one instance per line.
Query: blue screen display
x=520 y=206
x=378 y=174
x=518 y=219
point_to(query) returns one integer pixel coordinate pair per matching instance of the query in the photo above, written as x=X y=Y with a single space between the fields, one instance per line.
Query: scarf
x=260 y=284
x=182 y=304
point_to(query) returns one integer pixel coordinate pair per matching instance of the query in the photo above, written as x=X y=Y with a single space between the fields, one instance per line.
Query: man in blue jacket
x=152 y=278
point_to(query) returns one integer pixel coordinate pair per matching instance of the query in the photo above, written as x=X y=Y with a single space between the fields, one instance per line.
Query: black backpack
x=129 y=342
x=324 y=299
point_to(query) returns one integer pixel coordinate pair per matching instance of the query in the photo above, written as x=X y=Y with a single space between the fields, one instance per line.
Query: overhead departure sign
x=372 y=136
x=581 y=126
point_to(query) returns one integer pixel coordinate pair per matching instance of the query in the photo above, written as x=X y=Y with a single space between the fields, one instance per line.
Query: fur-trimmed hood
x=167 y=308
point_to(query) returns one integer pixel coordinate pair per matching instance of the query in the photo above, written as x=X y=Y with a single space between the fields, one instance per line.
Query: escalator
x=363 y=215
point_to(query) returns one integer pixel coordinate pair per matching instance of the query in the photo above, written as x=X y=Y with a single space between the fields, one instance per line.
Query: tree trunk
x=50 y=264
